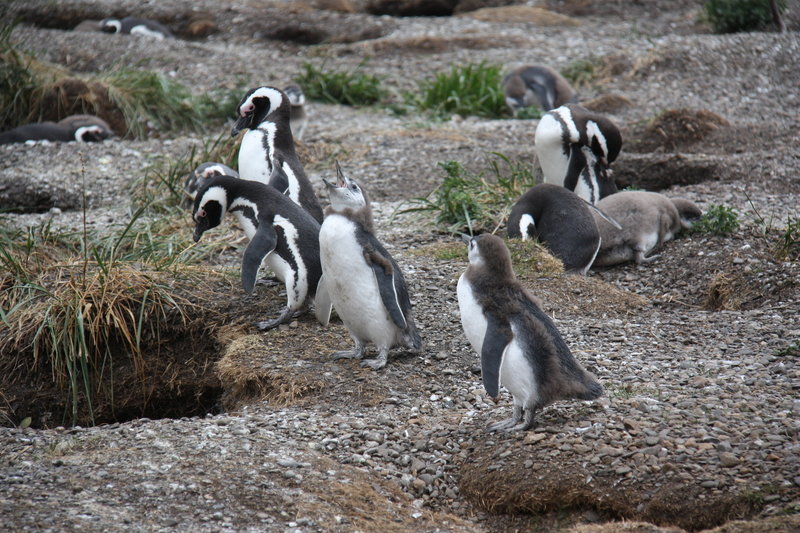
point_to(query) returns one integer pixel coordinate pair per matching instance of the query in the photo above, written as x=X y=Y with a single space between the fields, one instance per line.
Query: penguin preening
x=575 y=148
x=199 y=175
x=536 y=85
x=648 y=220
x=519 y=346
x=267 y=151
x=136 y=26
x=561 y=220
x=80 y=128
x=282 y=235
x=297 y=116
x=361 y=279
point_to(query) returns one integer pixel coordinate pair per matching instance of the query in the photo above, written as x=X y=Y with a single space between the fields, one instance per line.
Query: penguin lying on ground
x=519 y=346
x=199 y=175
x=361 y=279
x=575 y=148
x=648 y=220
x=267 y=151
x=282 y=235
x=297 y=116
x=536 y=85
x=136 y=26
x=81 y=128
x=561 y=220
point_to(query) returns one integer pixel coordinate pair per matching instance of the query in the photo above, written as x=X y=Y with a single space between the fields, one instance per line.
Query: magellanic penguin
x=648 y=220
x=519 y=346
x=282 y=235
x=267 y=151
x=559 y=219
x=536 y=85
x=575 y=148
x=136 y=26
x=297 y=117
x=198 y=176
x=66 y=130
x=362 y=280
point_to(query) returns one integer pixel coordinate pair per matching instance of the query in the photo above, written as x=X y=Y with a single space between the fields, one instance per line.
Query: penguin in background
x=648 y=219
x=361 y=279
x=136 y=26
x=519 y=346
x=536 y=85
x=282 y=235
x=79 y=128
x=267 y=151
x=199 y=175
x=297 y=117
x=575 y=148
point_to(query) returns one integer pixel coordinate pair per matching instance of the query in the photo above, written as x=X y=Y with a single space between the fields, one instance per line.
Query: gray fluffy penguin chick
x=560 y=220
x=198 y=176
x=536 y=85
x=648 y=220
x=297 y=116
x=361 y=279
x=519 y=346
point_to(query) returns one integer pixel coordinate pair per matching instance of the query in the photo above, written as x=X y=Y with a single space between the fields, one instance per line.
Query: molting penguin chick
x=575 y=148
x=297 y=116
x=136 y=26
x=648 y=220
x=267 y=151
x=559 y=219
x=198 y=176
x=66 y=130
x=362 y=280
x=536 y=85
x=282 y=235
x=519 y=346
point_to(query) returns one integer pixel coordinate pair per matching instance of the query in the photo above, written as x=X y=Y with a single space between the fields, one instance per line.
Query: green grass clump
x=17 y=83
x=731 y=16
x=351 y=88
x=467 y=90
x=470 y=202
x=581 y=72
x=787 y=247
x=717 y=220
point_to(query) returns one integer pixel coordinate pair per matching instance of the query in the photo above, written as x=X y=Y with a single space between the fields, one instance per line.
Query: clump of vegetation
x=352 y=88
x=473 y=89
x=530 y=112
x=466 y=201
x=17 y=82
x=731 y=16
x=581 y=72
x=788 y=246
x=717 y=220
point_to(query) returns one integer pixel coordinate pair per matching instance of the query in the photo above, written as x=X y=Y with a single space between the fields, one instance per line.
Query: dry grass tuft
x=727 y=292
x=532 y=259
x=608 y=103
x=527 y=14
x=677 y=128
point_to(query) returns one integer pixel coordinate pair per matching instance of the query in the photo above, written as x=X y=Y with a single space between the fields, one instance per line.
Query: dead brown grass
x=434 y=45
x=728 y=291
x=608 y=103
x=679 y=128
x=527 y=14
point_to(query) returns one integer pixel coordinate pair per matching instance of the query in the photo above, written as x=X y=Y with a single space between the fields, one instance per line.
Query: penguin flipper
x=322 y=303
x=278 y=178
x=261 y=245
x=386 y=286
x=495 y=344
x=577 y=162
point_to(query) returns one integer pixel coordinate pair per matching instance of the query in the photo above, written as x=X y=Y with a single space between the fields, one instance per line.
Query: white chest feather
x=549 y=148
x=295 y=279
x=294 y=185
x=525 y=223
x=351 y=283
x=255 y=161
x=516 y=374
x=147 y=32
x=472 y=319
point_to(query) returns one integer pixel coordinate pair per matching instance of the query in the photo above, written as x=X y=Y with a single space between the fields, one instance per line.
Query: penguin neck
x=280 y=133
x=361 y=216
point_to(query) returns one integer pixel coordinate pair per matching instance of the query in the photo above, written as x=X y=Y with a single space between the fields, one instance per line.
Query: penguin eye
x=354 y=187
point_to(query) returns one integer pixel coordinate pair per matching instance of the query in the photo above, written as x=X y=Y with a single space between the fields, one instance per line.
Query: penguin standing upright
x=282 y=235
x=519 y=346
x=136 y=26
x=575 y=148
x=361 y=279
x=536 y=85
x=267 y=151
x=297 y=117
x=648 y=220
x=199 y=175
x=561 y=220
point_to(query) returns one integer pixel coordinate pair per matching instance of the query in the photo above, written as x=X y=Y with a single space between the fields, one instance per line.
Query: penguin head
x=111 y=25
x=92 y=134
x=688 y=211
x=604 y=139
x=210 y=206
x=487 y=251
x=258 y=105
x=203 y=172
x=345 y=193
x=295 y=95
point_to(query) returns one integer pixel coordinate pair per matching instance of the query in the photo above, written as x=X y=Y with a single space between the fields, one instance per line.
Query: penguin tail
x=412 y=339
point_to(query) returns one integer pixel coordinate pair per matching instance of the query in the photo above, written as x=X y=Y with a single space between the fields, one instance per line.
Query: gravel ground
x=699 y=422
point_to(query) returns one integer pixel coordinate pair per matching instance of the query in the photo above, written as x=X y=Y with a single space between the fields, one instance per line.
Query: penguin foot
x=285 y=316
x=355 y=353
x=640 y=257
x=513 y=423
x=377 y=363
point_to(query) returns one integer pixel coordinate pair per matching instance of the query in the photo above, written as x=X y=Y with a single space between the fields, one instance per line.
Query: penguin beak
x=466 y=238
x=198 y=232
x=342 y=181
x=241 y=123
